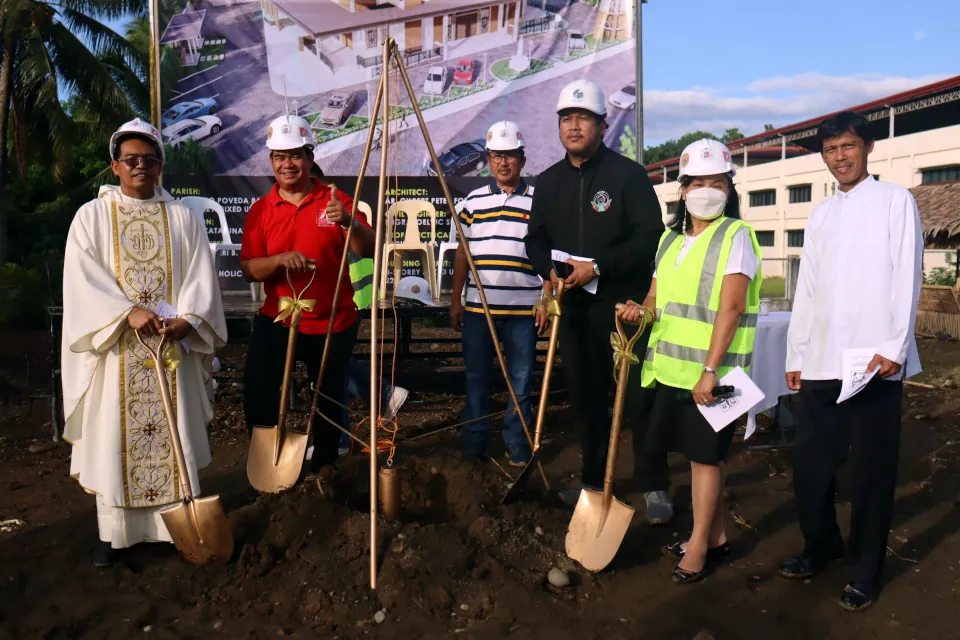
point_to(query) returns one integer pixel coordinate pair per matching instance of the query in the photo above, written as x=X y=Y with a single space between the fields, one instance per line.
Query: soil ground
x=457 y=564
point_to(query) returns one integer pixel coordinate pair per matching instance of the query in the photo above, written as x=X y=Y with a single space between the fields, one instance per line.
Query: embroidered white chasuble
x=122 y=252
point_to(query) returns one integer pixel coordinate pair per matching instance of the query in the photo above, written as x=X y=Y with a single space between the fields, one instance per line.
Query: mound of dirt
x=455 y=558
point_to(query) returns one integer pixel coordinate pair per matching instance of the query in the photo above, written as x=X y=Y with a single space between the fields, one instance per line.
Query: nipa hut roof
x=939 y=206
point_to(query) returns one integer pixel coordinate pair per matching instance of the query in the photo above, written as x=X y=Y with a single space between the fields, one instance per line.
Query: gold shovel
x=600 y=521
x=277 y=453
x=198 y=526
x=553 y=310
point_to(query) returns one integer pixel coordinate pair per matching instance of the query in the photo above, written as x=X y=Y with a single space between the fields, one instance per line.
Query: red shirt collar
x=318 y=192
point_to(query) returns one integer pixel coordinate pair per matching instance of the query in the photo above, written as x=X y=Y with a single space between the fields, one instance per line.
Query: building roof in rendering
x=328 y=18
x=184 y=26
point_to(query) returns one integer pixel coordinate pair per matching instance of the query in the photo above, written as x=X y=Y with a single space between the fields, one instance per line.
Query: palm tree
x=58 y=47
x=171 y=71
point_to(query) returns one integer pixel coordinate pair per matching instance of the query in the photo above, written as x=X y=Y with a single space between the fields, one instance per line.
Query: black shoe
x=104 y=555
x=682 y=576
x=805 y=565
x=854 y=599
x=714 y=554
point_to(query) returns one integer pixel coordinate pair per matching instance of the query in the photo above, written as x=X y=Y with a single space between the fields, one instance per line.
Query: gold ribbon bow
x=289 y=305
x=548 y=302
x=171 y=358
x=620 y=352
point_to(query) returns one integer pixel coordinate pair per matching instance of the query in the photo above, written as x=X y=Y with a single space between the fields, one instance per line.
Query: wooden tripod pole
x=466 y=250
x=344 y=260
x=374 y=319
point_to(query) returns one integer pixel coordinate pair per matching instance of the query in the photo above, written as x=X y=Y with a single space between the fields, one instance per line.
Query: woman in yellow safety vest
x=706 y=295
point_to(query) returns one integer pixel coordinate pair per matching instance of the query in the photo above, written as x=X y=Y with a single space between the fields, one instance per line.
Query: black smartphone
x=563 y=269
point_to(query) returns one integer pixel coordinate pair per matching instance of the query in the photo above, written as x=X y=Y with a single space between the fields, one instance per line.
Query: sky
x=716 y=64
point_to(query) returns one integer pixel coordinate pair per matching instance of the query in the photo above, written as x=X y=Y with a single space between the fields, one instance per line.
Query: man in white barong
x=136 y=255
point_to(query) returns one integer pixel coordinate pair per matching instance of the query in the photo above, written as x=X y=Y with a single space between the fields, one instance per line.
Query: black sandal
x=714 y=554
x=682 y=576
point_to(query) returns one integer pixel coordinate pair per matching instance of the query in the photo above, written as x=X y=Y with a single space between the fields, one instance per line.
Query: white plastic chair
x=198 y=207
x=444 y=247
x=411 y=241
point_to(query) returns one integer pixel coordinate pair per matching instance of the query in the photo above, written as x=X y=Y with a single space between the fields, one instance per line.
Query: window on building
x=673 y=207
x=801 y=193
x=765 y=238
x=765 y=198
x=795 y=239
x=371 y=38
x=876 y=176
x=941 y=174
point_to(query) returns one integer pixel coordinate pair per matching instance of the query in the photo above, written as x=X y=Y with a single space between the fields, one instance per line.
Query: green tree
x=673 y=148
x=731 y=135
x=190 y=158
x=171 y=71
x=49 y=47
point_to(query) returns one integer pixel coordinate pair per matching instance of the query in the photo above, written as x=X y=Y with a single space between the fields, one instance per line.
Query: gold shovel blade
x=268 y=474
x=589 y=543
x=200 y=530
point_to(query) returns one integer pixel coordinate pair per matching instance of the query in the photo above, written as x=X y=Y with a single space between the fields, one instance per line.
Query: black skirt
x=676 y=425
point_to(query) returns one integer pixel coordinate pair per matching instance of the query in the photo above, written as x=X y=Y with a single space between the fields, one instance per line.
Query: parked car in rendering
x=575 y=39
x=194 y=129
x=190 y=109
x=463 y=73
x=626 y=97
x=338 y=108
x=436 y=81
x=461 y=159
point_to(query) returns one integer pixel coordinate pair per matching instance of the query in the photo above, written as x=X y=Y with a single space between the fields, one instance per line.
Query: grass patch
x=502 y=71
x=774 y=287
x=322 y=134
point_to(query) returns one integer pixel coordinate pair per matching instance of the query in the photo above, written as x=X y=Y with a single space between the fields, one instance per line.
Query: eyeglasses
x=497 y=157
x=148 y=162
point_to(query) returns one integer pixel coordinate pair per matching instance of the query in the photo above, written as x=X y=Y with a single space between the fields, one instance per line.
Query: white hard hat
x=289 y=132
x=583 y=94
x=415 y=288
x=504 y=136
x=137 y=128
x=706 y=157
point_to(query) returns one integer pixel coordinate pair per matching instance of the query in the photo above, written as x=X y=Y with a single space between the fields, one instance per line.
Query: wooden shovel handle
x=169 y=411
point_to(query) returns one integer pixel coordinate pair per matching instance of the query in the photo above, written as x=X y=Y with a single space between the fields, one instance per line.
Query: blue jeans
x=358 y=385
x=519 y=338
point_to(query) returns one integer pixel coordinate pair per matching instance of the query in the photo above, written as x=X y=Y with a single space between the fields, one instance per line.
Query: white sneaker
x=399 y=396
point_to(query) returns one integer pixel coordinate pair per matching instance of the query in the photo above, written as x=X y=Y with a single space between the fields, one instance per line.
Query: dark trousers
x=651 y=471
x=587 y=359
x=263 y=376
x=867 y=424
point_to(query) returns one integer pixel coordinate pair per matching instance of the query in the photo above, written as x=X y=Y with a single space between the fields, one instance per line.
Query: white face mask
x=706 y=203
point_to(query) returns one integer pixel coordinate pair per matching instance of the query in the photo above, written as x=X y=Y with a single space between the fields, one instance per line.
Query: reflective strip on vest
x=361 y=276
x=703 y=314
x=708 y=274
x=679 y=352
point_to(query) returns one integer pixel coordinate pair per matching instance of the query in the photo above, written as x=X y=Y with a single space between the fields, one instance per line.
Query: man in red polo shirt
x=301 y=224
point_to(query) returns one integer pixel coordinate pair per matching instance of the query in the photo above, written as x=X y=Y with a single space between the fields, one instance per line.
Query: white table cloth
x=768 y=368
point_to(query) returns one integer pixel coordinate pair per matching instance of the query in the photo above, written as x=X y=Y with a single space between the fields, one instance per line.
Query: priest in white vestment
x=135 y=255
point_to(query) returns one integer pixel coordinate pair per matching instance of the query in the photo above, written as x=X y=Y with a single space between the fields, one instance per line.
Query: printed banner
x=232 y=67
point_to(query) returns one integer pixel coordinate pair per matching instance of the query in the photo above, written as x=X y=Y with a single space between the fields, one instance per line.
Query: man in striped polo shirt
x=494 y=219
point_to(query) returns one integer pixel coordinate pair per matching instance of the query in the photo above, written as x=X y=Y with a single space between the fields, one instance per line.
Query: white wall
x=899 y=160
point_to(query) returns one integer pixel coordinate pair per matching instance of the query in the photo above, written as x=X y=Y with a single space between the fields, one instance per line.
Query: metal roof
x=183 y=26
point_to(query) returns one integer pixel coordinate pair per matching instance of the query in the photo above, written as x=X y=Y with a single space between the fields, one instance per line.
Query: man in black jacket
x=600 y=208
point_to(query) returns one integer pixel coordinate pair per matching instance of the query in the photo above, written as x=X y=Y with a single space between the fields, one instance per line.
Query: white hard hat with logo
x=504 y=136
x=583 y=94
x=140 y=129
x=289 y=132
x=415 y=288
x=706 y=157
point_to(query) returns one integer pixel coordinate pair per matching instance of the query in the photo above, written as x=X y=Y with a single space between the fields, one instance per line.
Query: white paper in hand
x=855 y=374
x=747 y=395
x=563 y=256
